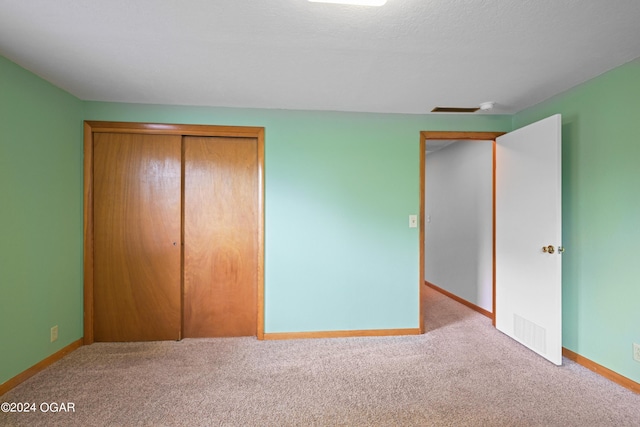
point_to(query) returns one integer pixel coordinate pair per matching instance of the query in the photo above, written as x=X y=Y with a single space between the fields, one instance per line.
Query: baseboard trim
x=340 y=334
x=460 y=300
x=601 y=370
x=25 y=375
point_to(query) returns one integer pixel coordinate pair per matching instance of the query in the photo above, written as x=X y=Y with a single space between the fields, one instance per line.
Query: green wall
x=40 y=218
x=339 y=190
x=601 y=215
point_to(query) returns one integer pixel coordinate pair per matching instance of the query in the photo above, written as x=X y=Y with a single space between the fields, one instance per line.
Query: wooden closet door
x=137 y=230
x=221 y=236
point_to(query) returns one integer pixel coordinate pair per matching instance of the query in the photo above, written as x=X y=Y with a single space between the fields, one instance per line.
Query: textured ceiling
x=405 y=57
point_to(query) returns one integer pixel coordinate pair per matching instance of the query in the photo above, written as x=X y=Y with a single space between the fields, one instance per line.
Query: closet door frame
x=91 y=127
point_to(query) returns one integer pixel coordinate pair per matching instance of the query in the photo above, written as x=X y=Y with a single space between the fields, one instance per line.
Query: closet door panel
x=221 y=236
x=137 y=235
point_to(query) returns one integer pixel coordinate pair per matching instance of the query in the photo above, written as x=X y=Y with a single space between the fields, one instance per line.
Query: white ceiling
x=405 y=57
x=433 y=145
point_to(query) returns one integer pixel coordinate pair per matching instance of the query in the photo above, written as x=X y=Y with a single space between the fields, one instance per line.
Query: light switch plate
x=413 y=221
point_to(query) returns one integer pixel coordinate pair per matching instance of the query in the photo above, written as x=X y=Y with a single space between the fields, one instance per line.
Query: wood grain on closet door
x=221 y=236
x=137 y=230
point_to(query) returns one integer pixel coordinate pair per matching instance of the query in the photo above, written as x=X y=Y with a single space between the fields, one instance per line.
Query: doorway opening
x=458 y=220
x=445 y=137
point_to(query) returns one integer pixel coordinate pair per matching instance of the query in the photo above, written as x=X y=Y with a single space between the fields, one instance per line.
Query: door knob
x=548 y=249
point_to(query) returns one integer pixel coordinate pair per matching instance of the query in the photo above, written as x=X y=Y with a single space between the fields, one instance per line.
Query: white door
x=528 y=237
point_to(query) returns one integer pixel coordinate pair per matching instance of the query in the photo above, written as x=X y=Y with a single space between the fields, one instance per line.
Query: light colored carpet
x=461 y=373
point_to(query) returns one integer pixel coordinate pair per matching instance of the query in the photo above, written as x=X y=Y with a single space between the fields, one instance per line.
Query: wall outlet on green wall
x=54 y=333
x=636 y=352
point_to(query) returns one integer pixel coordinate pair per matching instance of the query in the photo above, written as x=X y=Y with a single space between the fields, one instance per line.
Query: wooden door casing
x=451 y=136
x=221 y=236
x=137 y=259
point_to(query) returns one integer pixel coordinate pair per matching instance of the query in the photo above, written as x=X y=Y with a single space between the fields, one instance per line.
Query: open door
x=529 y=237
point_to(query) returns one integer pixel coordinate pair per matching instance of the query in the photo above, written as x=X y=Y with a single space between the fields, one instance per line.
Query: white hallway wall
x=458 y=226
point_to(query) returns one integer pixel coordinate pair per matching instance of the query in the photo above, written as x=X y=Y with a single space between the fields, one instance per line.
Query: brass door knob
x=548 y=249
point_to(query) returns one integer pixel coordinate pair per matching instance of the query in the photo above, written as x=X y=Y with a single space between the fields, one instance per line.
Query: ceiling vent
x=455 y=110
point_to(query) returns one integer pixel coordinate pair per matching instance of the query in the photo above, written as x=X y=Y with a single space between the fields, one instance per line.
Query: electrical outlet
x=636 y=352
x=54 y=333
